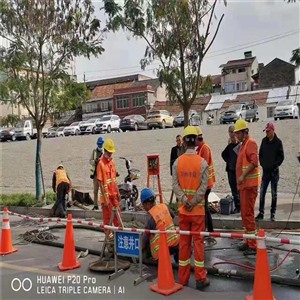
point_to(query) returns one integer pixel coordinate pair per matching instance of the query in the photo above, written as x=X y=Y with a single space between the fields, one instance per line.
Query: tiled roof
x=238 y=63
x=115 y=80
x=107 y=91
x=104 y=92
x=259 y=98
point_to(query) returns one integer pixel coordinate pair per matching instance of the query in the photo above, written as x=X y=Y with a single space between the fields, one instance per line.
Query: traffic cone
x=262 y=289
x=6 y=246
x=166 y=284
x=69 y=261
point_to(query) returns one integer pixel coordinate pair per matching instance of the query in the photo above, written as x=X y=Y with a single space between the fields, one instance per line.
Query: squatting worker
x=95 y=157
x=109 y=192
x=158 y=215
x=248 y=180
x=61 y=185
x=204 y=151
x=189 y=182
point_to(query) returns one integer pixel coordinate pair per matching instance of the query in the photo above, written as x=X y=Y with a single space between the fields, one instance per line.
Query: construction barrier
x=183 y=232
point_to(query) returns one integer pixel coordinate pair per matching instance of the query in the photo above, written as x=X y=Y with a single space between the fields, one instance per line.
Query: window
x=238 y=86
x=138 y=100
x=244 y=86
x=270 y=112
x=233 y=71
x=103 y=106
x=229 y=87
x=242 y=70
x=122 y=101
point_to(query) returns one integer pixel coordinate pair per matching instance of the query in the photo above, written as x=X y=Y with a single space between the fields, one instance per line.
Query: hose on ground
x=210 y=270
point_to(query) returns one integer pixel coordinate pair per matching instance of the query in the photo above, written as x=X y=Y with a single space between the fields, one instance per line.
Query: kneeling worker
x=158 y=215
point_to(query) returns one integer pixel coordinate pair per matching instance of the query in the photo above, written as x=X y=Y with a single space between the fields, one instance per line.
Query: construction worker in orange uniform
x=61 y=185
x=107 y=174
x=157 y=215
x=189 y=181
x=204 y=151
x=248 y=180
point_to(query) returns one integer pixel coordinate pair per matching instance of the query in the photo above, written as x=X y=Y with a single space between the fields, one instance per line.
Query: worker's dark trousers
x=208 y=219
x=60 y=209
x=234 y=191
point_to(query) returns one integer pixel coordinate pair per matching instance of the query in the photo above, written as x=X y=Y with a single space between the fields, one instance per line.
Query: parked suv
x=237 y=111
x=160 y=118
x=108 y=123
x=286 y=109
x=193 y=116
x=89 y=126
x=73 y=129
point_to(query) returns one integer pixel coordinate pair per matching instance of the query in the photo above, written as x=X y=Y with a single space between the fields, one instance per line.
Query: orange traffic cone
x=69 y=261
x=166 y=284
x=262 y=280
x=6 y=246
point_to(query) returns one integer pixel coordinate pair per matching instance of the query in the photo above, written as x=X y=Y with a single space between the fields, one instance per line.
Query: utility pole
x=84 y=77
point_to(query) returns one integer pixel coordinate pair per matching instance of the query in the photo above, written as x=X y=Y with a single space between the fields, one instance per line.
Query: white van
x=286 y=109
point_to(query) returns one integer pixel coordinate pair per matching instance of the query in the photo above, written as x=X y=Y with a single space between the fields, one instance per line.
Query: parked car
x=89 y=126
x=73 y=129
x=55 y=132
x=108 y=123
x=133 y=122
x=179 y=119
x=160 y=119
x=237 y=111
x=7 y=134
x=286 y=109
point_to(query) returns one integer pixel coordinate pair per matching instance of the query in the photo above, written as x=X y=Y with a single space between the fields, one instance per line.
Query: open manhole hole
x=108 y=265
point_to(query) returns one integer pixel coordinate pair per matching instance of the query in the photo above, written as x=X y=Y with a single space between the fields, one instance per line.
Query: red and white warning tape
x=183 y=232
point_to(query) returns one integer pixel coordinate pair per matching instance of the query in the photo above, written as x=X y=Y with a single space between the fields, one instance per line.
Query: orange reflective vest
x=161 y=215
x=189 y=177
x=253 y=179
x=205 y=152
x=61 y=176
x=107 y=174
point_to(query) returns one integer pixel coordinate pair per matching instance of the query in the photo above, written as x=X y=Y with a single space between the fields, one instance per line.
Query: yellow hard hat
x=240 y=124
x=190 y=130
x=199 y=131
x=109 y=145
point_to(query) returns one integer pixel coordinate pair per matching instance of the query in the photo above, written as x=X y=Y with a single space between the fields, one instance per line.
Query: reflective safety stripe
x=5 y=224
x=184 y=263
x=189 y=192
x=199 y=264
x=261 y=244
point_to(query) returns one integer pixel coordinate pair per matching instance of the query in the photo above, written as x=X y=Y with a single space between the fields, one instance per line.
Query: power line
x=234 y=49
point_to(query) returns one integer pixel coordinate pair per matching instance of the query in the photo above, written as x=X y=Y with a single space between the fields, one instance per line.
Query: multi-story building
x=277 y=73
x=236 y=75
x=133 y=94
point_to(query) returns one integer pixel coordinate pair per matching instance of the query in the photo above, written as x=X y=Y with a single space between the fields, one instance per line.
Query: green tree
x=178 y=34
x=296 y=57
x=10 y=120
x=43 y=38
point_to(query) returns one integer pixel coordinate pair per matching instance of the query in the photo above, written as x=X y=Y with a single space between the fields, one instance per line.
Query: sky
x=269 y=29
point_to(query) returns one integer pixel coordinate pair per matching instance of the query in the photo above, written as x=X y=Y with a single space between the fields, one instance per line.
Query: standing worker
x=248 y=180
x=271 y=156
x=107 y=179
x=95 y=157
x=176 y=151
x=204 y=151
x=229 y=155
x=157 y=215
x=189 y=182
x=61 y=185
